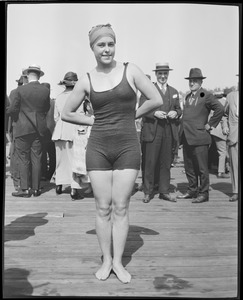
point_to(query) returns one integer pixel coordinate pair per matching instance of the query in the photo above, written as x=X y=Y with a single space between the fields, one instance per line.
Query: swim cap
x=100 y=31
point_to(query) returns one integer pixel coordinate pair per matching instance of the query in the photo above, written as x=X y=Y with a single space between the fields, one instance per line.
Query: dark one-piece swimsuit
x=113 y=143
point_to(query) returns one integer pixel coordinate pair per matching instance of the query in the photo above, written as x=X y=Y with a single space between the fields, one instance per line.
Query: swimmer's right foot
x=104 y=272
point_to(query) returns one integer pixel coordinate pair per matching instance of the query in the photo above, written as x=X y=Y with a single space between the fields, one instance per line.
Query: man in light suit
x=230 y=127
x=158 y=136
x=195 y=136
x=220 y=142
x=28 y=110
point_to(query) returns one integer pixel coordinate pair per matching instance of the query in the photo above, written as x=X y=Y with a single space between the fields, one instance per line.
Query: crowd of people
x=44 y=149
x=90 y=141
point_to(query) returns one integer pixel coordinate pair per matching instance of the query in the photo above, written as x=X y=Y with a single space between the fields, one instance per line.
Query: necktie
x=191 y=99
x=163 y=90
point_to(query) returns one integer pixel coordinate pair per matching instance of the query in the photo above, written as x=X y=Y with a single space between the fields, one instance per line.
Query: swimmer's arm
x=77 y=96
x=147 y=88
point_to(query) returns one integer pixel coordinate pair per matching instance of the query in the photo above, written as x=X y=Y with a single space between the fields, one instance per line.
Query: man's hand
x=172 y=114
x=208 y=127
x=160 y=114
x=225 y=130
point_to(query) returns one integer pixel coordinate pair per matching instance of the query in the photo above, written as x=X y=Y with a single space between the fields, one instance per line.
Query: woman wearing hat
x=63 y=136
x=113 y=150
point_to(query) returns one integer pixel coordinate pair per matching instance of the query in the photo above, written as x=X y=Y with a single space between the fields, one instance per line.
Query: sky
x=55 y=37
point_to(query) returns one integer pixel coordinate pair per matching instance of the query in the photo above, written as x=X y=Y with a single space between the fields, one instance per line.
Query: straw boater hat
x=195 y=73
x=34 y=68
x=162 y=67
x=70 y=79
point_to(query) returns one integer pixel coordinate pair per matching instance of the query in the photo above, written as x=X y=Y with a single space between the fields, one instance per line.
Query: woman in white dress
x=63 y=136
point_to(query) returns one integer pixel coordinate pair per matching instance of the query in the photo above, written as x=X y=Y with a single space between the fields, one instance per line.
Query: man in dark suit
x=28 y=110
x=158 y=135
x=195 y=135
x=13 y=155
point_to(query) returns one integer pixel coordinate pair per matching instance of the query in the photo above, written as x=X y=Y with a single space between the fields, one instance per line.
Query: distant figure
x=142 y=99
x=49 y=151
x=28 y=109
x=14 y=169
x=195 y=136
x=80 y=174
x=220 y=142
x=230 y=128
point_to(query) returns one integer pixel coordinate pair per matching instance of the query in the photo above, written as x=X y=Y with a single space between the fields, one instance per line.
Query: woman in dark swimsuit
x=113 y=150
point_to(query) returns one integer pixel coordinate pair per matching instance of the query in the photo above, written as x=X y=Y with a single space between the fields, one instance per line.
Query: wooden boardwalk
x=173 y=249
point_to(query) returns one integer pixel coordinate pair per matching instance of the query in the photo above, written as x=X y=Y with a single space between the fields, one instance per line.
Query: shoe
x=59 y=189
x=233 y=198
x=200 y=199
x=223 y=175
x=167 y=197
x=187 y=196
x=227 y=167
x=88 y=194
x=74 y=194
x=156 y=187
x=147 y=198
x=37 y=193
x=22 y=193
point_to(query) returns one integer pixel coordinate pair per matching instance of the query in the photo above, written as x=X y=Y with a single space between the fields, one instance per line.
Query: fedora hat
x=195 y=73
x=162 y=67
x=69 y=79
x=34 y=68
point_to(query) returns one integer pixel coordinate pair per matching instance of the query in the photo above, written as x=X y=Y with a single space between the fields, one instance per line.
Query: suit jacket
x=50 y=117
x=32 y=99
x=217 y=131
x=150 y=122
x=231 y=118
x=196 y=116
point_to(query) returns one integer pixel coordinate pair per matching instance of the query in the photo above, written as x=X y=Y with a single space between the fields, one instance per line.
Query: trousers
x=29 y=151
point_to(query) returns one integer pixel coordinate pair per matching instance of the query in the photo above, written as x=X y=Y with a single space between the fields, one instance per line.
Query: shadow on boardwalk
x=134 y=241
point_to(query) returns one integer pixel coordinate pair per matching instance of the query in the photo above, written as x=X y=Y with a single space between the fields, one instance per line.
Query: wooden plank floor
x=173 y=249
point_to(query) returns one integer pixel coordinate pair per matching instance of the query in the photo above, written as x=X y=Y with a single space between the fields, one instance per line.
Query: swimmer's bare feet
x=121 y=273
x=104 y=272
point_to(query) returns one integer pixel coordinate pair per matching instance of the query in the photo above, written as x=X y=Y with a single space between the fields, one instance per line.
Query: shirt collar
x=194 y=93
x=160 y=85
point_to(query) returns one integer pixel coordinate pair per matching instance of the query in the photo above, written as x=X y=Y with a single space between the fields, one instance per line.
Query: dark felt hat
x=195 y=73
